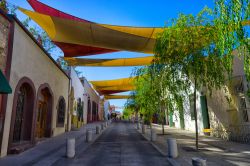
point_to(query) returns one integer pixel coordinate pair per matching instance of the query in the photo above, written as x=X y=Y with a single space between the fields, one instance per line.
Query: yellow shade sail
x=116 y=97
x=117 y=88
x=113 y=83
x=137 y=39
x=141 y=61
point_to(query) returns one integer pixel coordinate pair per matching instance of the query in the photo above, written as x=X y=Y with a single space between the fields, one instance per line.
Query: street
x=120 y=144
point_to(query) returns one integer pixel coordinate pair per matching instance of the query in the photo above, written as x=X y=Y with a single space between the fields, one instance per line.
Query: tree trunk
x=195 y=116
x=162 y=122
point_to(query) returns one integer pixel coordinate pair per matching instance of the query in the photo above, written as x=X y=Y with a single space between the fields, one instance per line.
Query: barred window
x=61 y=112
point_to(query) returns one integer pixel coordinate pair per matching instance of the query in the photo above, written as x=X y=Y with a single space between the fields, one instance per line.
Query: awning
x=141 y=61
x=116 y=97
x=4 y=85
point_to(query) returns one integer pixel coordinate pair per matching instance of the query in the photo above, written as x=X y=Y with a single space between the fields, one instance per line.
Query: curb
x=90 y=143
x=173 y=162
x=77 y=138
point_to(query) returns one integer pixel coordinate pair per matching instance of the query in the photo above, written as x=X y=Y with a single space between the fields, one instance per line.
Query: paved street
x=120 y=144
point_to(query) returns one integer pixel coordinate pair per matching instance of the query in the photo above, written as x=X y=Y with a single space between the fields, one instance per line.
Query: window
x=61 y=112
x=191 y=104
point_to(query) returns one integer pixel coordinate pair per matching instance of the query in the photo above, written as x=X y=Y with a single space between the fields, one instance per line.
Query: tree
x=199 y=48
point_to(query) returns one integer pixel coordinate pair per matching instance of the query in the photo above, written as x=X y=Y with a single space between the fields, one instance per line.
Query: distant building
x=92 y=99
x=106 y=110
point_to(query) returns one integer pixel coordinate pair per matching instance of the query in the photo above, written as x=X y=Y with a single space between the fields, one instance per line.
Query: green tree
x=199 y=49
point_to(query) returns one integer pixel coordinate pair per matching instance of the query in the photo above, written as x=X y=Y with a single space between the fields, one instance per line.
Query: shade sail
x=116 y=82
x=141 y=61
x=117 y=88
x=4 y=85
x=89 y=38
x=116 y=97
x=106 y=87
x=62 y=30
x=70 y=50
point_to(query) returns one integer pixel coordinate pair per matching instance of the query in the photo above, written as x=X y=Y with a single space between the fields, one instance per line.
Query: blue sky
x=126 y=12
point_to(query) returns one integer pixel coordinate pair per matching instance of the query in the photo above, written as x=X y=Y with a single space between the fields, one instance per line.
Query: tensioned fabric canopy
x=110 y=62
x=66 y=29
x=79 y=37
x=96 y=35
x=115 y=82
x=116 y=97
x=107 y=87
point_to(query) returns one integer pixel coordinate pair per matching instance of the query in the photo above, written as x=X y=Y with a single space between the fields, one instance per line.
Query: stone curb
x=173 y=162
x=34 y=161
x=90 y=143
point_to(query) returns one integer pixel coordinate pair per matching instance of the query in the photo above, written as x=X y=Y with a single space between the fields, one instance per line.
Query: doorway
x=44 y=114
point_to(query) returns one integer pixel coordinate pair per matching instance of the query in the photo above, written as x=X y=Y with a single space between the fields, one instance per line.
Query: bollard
x=143 y=128
x=172 y=148
x=89 y=136
x=102 y=126
x=98 y=129
x=70 y=149
x=198 y=162
x=153 y=135
x=138 y=126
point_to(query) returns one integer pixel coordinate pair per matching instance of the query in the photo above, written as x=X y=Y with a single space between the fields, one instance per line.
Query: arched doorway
x=44 y=112
x=22 y=116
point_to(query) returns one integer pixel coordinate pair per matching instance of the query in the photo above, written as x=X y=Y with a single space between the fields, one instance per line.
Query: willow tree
x=200 y=47
x=146 y=96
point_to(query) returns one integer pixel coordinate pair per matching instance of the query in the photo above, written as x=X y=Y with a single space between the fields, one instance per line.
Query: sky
x=145 y=13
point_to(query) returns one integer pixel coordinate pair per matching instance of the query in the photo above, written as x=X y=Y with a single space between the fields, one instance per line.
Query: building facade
x=224 y=114
x=92 y=100
x=37 y=108
x=76 y=101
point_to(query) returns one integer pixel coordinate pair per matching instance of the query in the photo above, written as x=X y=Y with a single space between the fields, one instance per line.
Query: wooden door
x=41 y=119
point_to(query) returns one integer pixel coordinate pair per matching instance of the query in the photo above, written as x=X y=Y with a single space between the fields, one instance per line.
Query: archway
x=44 y=112
x=22 y=115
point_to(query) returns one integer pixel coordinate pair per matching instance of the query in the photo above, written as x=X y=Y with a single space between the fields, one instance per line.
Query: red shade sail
x=70 y=50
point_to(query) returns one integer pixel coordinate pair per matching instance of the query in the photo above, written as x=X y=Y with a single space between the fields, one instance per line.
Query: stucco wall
x=93 y=97
x=30 y=61
x=78 y=89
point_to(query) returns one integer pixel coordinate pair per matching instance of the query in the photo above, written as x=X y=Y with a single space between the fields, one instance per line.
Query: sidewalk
x=216 y=151
x=52 y=149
